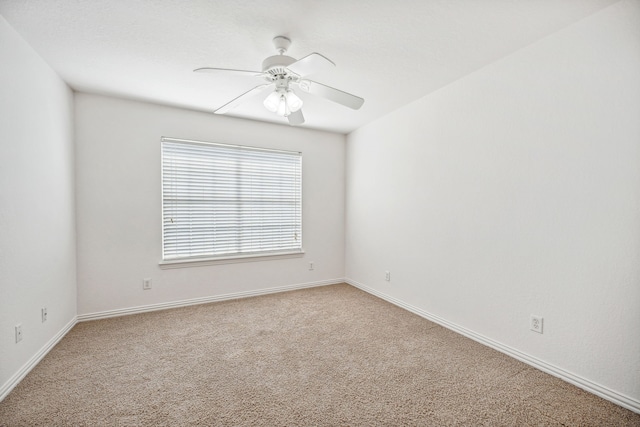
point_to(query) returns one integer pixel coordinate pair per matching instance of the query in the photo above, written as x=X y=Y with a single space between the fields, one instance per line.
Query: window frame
x=212 y=259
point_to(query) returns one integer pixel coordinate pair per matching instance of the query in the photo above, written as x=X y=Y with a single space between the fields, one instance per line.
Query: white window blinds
x=221 y=201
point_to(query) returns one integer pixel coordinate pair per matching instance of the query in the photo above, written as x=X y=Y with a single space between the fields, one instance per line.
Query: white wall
x=516 y=191
x=37 y=232
x=118 y=199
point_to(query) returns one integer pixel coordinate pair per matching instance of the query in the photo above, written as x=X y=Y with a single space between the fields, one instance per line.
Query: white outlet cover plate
x=536 y=324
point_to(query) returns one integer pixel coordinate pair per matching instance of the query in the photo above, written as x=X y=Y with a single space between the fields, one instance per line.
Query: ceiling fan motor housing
x=276 y=65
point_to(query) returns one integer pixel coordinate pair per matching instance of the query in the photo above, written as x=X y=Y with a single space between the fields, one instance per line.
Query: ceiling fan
x=283 y=74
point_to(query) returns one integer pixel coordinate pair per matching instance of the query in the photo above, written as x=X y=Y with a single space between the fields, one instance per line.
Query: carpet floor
x=326 y=356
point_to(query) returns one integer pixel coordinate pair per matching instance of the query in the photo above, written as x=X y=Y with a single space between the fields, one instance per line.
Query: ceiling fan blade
x=237 y=101
x=332 y=94
x=217 y=70
x=296 y=118
x=310 y=64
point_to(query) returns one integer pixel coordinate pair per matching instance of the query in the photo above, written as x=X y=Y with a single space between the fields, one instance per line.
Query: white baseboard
x=31 y=363
x=202 y=300
x=583 y=383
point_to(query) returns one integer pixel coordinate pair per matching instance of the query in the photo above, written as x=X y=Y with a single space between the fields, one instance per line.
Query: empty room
x=305 y=213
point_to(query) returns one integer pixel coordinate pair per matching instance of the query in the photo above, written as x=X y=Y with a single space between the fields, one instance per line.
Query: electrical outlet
x=387 y=276
x=311 y=265
x=536 y=324
x=44 y=314
x=146 y=284
x=18 y=333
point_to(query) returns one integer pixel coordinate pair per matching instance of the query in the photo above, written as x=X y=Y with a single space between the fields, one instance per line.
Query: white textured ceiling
x=388 y=52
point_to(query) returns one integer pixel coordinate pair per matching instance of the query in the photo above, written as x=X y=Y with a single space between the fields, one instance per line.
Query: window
x=229 y=201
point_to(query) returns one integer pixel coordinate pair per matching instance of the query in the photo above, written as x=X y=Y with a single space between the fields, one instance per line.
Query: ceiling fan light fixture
x=283 y=102
x=272 y=101
x=293 y=101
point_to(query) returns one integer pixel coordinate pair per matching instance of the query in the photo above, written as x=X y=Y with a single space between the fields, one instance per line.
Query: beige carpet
x=328 y=356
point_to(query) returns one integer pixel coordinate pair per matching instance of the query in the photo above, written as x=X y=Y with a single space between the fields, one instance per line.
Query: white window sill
x=233 y=259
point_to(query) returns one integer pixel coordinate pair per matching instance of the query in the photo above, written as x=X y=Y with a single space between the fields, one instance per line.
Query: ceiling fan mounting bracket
x=281 y=43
